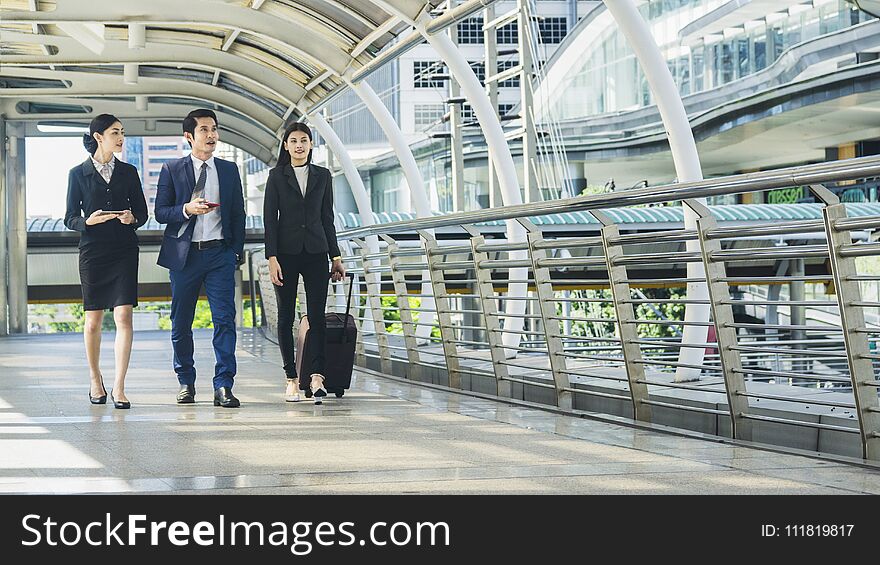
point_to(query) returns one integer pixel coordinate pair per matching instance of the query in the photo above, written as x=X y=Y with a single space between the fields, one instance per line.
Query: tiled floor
x=382 y=437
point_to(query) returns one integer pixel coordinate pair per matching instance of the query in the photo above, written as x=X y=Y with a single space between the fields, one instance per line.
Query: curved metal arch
x=166 y=116
x=301 y=39
x=71 y=52
x=111 y=85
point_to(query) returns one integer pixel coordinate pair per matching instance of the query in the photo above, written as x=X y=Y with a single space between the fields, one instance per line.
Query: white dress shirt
x=99 y=166
x=208 y=226
x=302 y=177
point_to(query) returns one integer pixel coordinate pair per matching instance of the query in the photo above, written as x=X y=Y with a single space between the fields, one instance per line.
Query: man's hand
x=196 y=207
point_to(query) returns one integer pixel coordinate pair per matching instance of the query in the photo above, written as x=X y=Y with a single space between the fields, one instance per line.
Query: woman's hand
x=337 y=271
x=98 y=217
x=275 y=272
x=127 y=218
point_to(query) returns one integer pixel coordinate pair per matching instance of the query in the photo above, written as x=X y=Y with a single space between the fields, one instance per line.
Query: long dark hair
x=99 y=124
x=283 y=154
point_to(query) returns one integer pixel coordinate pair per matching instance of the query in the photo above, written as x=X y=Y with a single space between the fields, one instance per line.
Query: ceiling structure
x=259 y=63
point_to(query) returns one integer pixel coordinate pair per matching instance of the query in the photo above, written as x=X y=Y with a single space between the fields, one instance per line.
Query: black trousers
x=315 y=272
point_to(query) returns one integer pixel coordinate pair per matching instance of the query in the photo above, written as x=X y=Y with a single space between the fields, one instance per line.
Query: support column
x=626 y=316
x=16 y=233
x=489 y=307
x=490 y=39
x=416 y=185
x=722 y=315
x=406 y=317
x=531 y=190
x=374 y=303
x=435 y=258
x=852 y=321
x=4 y=228
x=456 y=132
x=685 y=158
x=547 y=306
x=418 y=196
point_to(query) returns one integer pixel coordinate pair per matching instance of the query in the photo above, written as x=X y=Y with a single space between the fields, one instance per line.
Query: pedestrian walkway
x=384 y=436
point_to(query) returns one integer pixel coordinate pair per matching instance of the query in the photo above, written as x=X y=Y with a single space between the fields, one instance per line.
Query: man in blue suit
x=200 y=199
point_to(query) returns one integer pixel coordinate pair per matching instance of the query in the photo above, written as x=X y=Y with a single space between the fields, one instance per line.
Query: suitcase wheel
x=308 y=393
x=339 y=393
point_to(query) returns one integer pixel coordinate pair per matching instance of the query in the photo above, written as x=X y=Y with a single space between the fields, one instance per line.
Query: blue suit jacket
x=176 y=184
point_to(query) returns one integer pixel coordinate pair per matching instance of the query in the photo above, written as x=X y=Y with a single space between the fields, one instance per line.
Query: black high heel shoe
x=98 y=399
x=119 y=404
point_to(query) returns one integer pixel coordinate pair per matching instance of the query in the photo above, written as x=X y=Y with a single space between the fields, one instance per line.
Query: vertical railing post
x=441 y=301
x=626 y=316
x=374 y=299
x=547 y=307
x=852 y=321
x=406 y=317
x=722 y=316
x=491 y=321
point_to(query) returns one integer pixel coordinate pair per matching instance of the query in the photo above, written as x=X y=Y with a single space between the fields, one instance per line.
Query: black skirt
x=108 y=275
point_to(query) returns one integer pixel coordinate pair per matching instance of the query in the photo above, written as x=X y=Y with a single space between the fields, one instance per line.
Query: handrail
x=848 y=169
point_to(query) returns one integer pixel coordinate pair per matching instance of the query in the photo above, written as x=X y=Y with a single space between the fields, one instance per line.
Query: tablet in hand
x=113 y=212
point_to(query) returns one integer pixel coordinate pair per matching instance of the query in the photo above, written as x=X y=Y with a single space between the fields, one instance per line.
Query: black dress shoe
x=223 y=397
x=98 y=399
x=124 y=405
x=187 y=394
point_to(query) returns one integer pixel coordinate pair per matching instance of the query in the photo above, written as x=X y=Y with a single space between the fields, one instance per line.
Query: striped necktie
x=199 y=192
x=105 y=172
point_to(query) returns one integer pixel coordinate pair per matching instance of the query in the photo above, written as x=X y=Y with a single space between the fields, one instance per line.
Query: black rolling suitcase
x=340 y=339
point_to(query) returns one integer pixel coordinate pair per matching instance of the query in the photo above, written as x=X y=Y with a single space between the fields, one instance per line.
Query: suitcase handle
x=350 y=289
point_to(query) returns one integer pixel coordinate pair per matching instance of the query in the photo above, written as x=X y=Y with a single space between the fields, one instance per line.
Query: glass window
x=742 y=57
x=428 y=115
x=470 y=31
x=504 y=109
x=511 y=82
x=760 y=46
x=552 y=30
x=684 y=76
x=479 y=68
x=698 y=66
x=508 y=34
x=163 y=147
x=423 y=71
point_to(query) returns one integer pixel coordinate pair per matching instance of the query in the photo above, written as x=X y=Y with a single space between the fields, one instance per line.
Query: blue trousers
x=215 y=267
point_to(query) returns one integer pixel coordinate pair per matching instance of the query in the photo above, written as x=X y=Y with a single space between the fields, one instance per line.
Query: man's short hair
x=191 y=120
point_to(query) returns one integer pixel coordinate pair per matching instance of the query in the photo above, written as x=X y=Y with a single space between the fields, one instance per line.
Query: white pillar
x=415 y=183
x=684 y=157
x=501 y=159
x=4 y=226
x=16 y=229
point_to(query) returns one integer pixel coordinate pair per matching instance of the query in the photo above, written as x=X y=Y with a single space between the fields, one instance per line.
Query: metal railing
x=602 y=324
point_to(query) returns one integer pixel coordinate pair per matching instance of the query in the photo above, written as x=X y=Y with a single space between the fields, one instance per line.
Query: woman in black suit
x=300 y=237
x=105 y=203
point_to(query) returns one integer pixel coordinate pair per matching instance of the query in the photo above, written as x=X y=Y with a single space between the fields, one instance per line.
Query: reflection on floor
x=382 y=437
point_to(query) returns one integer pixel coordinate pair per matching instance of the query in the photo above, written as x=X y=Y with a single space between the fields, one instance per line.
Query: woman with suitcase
x=300 y=237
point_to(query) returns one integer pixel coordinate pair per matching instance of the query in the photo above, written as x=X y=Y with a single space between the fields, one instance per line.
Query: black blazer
x=87 y=191
x=295 y=223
